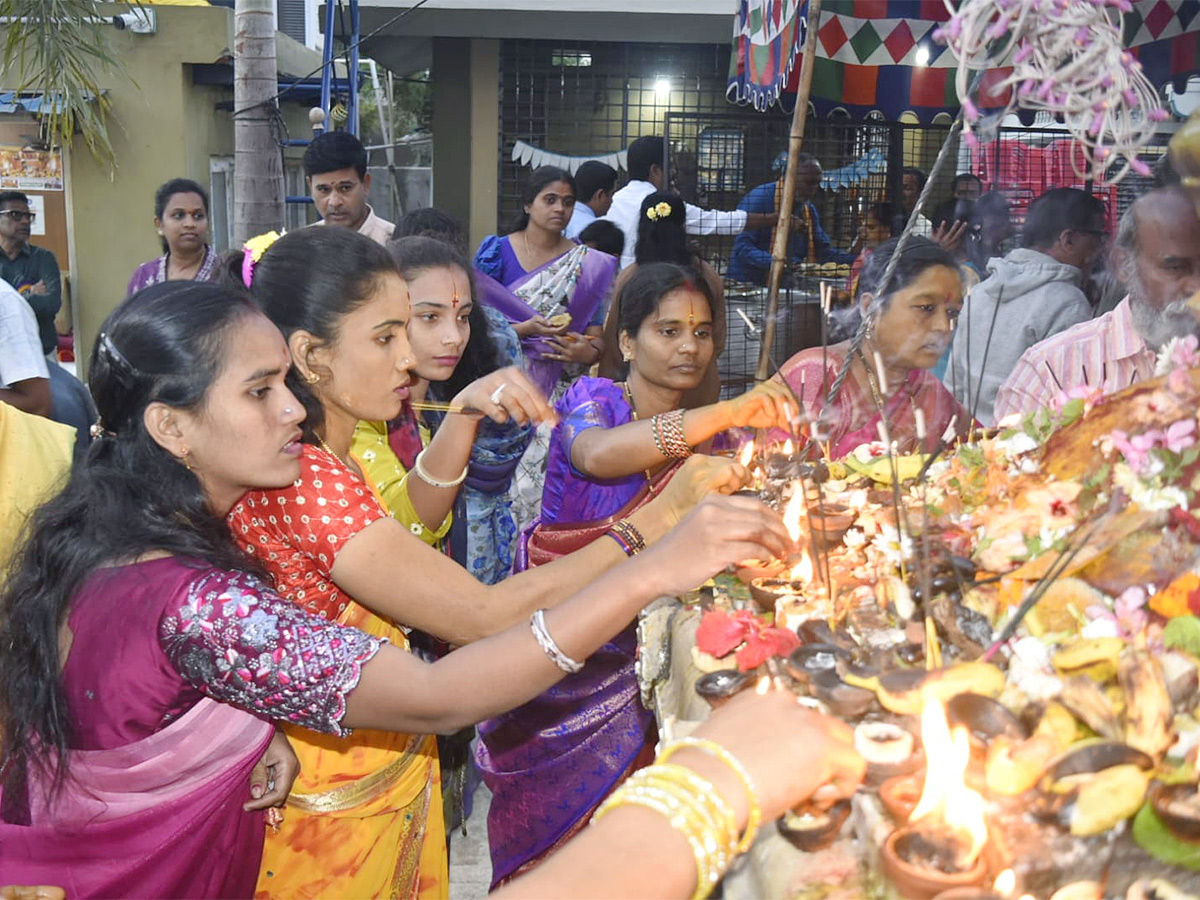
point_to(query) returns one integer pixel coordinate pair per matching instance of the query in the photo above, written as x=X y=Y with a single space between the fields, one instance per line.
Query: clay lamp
x=830 y=522
x=1178 y=808
x=811 y=829
x=717 y=687
x=888 y=749
x=941 y=845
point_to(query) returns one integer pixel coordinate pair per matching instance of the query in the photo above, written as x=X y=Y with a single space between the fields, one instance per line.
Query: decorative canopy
x=880 y=56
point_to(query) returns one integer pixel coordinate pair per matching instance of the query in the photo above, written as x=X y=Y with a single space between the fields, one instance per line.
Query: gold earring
x=625 y=355
x=311 y=378
x=186 y=462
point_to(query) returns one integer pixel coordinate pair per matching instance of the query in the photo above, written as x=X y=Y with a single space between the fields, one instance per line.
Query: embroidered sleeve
x=324 y=509
x=240 y=643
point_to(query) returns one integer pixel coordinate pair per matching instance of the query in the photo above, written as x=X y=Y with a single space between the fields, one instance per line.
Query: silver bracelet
x=537 y=624
x=433 y=482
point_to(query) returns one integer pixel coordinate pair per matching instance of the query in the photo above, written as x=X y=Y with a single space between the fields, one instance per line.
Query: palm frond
x=55 y=48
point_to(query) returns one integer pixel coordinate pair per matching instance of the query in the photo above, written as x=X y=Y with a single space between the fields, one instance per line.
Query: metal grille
x=592 y=99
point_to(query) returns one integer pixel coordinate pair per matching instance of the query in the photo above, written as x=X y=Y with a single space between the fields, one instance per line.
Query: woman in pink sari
x=145 y=659
x=881 y=374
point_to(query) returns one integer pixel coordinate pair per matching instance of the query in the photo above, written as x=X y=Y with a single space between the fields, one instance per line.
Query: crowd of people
x=338 y=497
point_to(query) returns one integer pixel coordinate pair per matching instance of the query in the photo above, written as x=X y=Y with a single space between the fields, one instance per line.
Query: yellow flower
x=259 y=244
x=658 y=211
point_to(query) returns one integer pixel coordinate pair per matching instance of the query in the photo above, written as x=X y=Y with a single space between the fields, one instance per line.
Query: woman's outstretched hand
x=539 y=326
x=273 y=775
x=720 y=531
x=769 y=405
x=698 y=477
x=791 y=753
x=506 y=395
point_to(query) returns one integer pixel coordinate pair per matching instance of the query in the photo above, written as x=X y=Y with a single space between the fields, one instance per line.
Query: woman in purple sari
x=555 y=293
x=550 y=762
x=145 y=658
x=181 y=219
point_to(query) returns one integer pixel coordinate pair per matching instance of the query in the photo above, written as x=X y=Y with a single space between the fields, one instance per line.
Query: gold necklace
x=633 y=412
x=329 y=450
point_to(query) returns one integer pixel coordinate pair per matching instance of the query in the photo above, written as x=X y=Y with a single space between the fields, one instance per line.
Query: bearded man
x=1157 y=256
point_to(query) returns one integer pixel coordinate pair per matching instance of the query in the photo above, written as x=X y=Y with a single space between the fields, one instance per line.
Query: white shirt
x=20 y=343
x=627 y=206
x=375 y=227
x=581 y=218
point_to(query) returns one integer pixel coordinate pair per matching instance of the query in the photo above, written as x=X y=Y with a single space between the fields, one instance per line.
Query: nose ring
x=288 y=411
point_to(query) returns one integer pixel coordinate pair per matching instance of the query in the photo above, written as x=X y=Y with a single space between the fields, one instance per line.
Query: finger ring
x=495 y=398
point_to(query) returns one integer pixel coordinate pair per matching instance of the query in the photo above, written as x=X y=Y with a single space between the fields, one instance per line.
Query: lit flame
x=788 y=448
x=764 y=685
x=802 y=571
x=945 y=795
x=746 y=454
x=1005 y=883
x=792 y=513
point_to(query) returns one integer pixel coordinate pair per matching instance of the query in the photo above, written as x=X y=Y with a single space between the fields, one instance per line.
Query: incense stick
x=431 y=406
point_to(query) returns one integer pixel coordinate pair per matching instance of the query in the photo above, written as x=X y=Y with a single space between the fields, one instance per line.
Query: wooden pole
x=779 y=248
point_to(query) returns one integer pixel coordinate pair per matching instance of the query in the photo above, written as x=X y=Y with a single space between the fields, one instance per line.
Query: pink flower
x=1180 y=435
x=1136 y=449
x=1186 y=352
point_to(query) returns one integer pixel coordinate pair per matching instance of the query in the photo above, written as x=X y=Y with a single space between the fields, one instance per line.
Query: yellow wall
x=161 y=127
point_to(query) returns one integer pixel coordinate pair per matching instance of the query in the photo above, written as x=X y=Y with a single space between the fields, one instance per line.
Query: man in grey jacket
x=1030 y=293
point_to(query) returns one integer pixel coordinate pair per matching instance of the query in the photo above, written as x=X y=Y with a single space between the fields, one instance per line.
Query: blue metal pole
x=352 y=75
x=327 y=58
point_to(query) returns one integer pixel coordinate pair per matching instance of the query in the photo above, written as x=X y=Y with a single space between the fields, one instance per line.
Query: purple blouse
x=150 y=639
x=155 y=272
x=568 y=495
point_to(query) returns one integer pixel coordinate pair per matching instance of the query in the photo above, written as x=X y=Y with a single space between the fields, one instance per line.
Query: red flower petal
x=719 y=633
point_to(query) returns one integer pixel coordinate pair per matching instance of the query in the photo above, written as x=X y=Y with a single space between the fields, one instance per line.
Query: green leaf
x=1070 y=412
x=1183 y=633
x=1152 y=836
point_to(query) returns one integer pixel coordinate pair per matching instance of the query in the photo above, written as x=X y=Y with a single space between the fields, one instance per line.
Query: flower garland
x=1067 y=59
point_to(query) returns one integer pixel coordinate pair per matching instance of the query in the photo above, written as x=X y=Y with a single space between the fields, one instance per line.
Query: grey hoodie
x=1038 y=296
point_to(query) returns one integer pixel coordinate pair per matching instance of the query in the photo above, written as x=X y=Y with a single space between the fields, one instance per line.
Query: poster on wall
x=30 y=169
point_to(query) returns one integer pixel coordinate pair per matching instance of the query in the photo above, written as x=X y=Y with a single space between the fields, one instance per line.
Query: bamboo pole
x=787 y=201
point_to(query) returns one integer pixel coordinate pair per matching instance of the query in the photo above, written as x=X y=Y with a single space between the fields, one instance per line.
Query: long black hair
x=169 y=189
x=663 y=238
x=308 y=280
x=414 y=255
x=129 y=497
x=542 y=177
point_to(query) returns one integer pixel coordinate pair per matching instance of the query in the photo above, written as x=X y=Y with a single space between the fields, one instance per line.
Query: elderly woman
x=181 y=219
x=881 y=375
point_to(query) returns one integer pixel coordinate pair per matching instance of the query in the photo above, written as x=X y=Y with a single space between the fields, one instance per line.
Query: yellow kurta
x=390 y=479
x=35 y=461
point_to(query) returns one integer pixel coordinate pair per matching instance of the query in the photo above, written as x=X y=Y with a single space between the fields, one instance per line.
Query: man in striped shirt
x=1157 y=256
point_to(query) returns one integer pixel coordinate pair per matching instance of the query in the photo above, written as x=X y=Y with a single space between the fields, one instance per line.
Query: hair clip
x=252 y=252
x=115 y=358
x=98 y=431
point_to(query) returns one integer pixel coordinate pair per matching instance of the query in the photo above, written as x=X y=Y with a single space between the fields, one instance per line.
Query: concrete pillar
x=466 y=111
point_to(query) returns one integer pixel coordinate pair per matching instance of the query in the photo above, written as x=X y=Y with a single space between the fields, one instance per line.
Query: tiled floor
x=470 y=864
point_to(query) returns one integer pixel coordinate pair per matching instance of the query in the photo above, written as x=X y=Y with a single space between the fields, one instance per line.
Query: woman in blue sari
x=550 y=762
x=554 y=292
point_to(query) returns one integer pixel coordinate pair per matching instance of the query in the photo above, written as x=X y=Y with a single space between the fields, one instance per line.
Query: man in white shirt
x=594 y=183
x=335 y=167
x=24 y=376
x=644 y=161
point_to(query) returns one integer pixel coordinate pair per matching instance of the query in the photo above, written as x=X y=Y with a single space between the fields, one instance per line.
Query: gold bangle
x=693 y=807
x=629 y=534
x=712 y=748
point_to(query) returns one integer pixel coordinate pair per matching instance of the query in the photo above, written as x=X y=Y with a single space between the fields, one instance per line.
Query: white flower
x=854 y=539
x=416 y=528
x=1016 y=444
x=891 y=545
